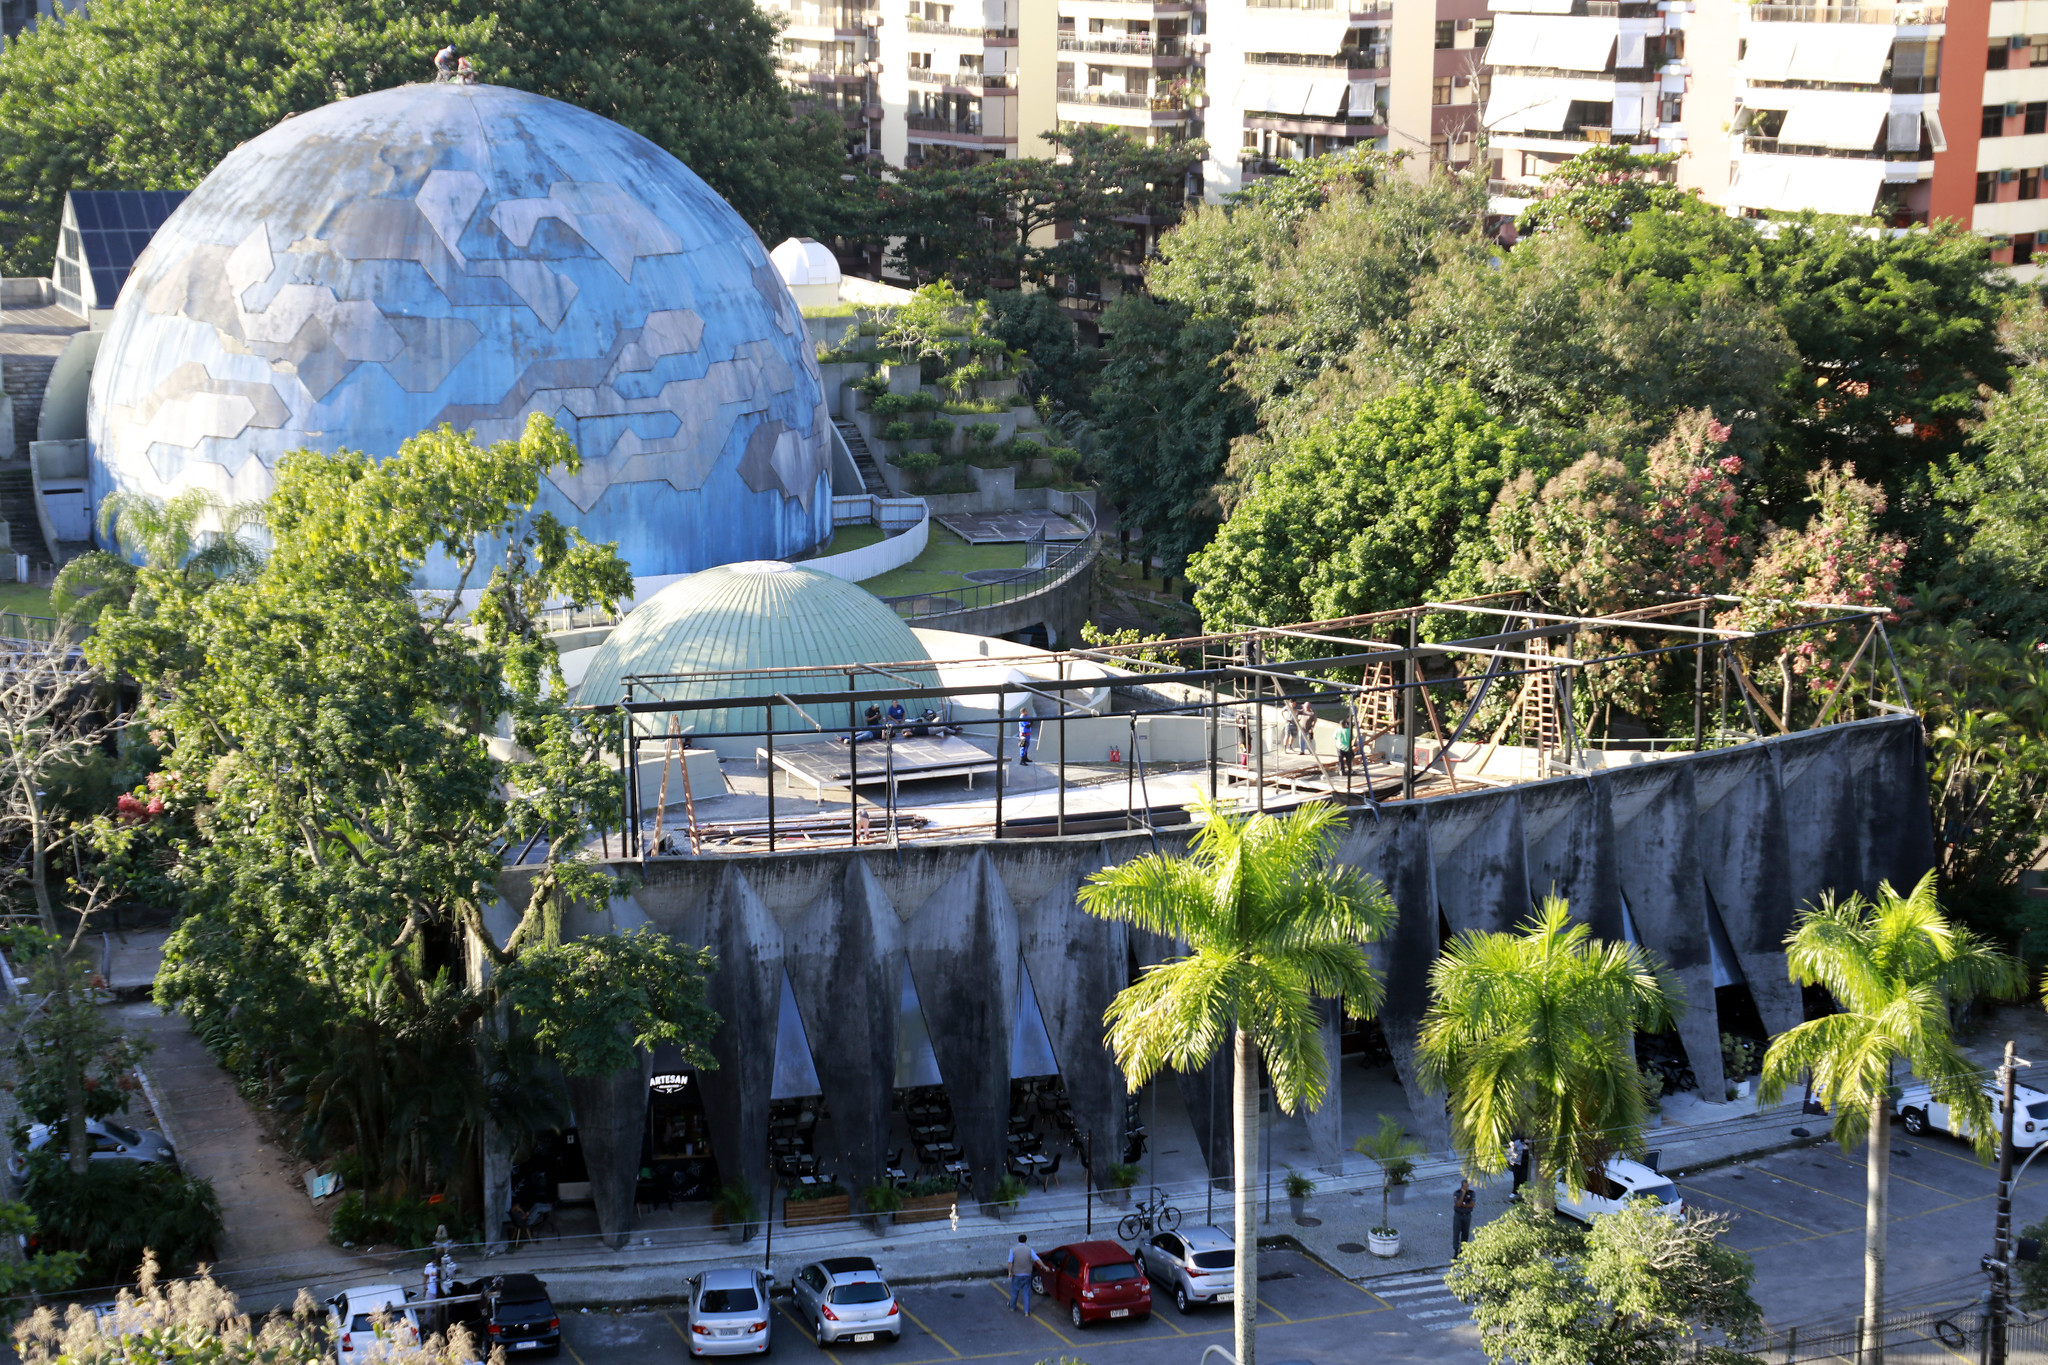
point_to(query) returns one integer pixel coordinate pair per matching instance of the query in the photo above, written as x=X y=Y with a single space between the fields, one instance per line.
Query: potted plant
x=1117 y=1182
x=823 y=1202
x=1299 y=1188
x=737 y=1210
x=1009 y=1190
x=1393 y=1151
x=929 y=1201
x=879 y=1204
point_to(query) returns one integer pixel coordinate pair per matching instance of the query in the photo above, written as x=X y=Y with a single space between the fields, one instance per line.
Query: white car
x=728 y=1312
x=845 y=1298
x=1620 y=1182
x=1919 y=1111
x=1194 y=1265
x=352 y=1316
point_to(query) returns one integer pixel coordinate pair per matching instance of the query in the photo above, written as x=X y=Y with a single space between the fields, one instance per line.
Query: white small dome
x=802 y=260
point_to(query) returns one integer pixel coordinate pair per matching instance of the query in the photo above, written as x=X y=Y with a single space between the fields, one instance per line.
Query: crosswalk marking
x=1442 y=1313
x=1436 y=1288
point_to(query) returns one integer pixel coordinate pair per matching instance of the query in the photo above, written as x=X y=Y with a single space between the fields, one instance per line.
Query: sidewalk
x=582 y=1272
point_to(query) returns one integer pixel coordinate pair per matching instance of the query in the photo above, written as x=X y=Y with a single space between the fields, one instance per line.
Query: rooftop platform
x=1052 y=743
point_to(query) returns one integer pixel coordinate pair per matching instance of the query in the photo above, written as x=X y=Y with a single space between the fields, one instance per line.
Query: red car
x=1096 y=1280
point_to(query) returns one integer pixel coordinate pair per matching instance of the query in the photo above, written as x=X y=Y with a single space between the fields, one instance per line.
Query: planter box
x=837 y=376
x=904 y=379
x=996 y=388
x=1383 y=1246
x=1397 y=1194
x=1026 y=417
x=1114 y=1195
x=928 y=1208
x=803 y=1213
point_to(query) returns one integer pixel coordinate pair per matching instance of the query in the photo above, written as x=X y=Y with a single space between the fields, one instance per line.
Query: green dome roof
x=759 y=614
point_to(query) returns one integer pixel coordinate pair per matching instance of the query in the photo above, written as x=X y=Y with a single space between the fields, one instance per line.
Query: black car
x=512 y=1311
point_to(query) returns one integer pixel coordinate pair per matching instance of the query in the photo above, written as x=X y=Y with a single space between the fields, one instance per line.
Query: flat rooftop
x=1028 y=743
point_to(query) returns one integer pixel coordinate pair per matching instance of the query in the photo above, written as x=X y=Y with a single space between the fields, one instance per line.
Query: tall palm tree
x=1532 y=1035
x=1272 y=929
x=1893 y=967
x=167 y=535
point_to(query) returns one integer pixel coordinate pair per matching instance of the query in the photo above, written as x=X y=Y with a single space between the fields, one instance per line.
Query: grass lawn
x=942 y=566
x=847 y=538
x=30 y=599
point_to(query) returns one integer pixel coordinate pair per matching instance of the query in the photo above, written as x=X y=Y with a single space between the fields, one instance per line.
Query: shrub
x=934 y=429
x=400 y=1220
x=875 y=386
x=1066 y=461
x=736 y=1197
x=119 y=1209
x=1299 y=1186
x=881 y=1199
x=1123 y=1175
x=984 y=433
x=902 y=429
x=824 y=1189
x=973 y=405
x=852 y=355
x=1009 y=1190
x=888 y=404
x=931 y=1185
x=918 y=462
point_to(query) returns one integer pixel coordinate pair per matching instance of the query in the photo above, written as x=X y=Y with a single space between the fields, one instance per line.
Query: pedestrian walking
x=1520 y=1156
x=1024 y=738
x=1287 y=730
x=1463 y=1200
x=1021 y=1262
x=1345 y=739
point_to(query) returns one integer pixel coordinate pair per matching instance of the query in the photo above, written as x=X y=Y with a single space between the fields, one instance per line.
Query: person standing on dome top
x=444 y=65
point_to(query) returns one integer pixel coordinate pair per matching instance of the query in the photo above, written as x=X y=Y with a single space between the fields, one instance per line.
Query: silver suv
x=1194 y=1265
x=844 y=1298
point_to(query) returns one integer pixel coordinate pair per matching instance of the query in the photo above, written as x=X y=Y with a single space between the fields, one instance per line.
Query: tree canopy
x=151 y=94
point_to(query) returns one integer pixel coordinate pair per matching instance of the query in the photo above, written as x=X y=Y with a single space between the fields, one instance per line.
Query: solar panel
x=114 y=228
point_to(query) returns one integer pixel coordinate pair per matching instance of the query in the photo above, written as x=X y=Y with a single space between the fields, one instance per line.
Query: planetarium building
x=472 y=255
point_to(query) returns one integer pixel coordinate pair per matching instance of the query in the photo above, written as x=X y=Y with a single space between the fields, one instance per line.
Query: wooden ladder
x=1379 y=712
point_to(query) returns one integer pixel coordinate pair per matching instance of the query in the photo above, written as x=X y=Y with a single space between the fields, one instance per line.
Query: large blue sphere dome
x=473 y=254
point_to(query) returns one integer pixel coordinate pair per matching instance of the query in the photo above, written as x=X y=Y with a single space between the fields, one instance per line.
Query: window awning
x=1788 y=184
x=1847 y=119
x=1526 y=104
x=1567 y=42
x=1628 y=114
x=1629 y=50
x=1325 y=98
x=1364 y=98
x=1531 y=7
x=1837 y=54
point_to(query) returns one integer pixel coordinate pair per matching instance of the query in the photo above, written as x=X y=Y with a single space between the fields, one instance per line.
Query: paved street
x=1800 y=1214
x=1307 y=1314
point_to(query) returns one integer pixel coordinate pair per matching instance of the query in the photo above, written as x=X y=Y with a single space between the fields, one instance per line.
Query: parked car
x=1919 y=1111
x=512 y=1311
x=728 y=1312
x=845 y=1298
x=352 y=1318
x=1096 y=1280
x=1620 y=1182
x=111 y=1141
x=1194 y=1265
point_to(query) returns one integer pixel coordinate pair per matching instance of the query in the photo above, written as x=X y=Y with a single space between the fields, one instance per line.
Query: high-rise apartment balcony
x=1000 y=81
x=1890 y=16
x=1133 y=45
x=1125 y=108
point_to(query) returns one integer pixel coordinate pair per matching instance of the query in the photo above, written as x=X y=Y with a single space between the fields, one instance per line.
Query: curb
x=165 y=1122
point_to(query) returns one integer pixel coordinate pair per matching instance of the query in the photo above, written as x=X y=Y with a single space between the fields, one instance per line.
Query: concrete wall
x=1756 y=830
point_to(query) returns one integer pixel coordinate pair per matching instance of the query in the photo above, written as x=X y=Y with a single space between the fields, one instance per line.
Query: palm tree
x=1532 y=1035
x=1893 y=967
x=166 y=535
x=1272 y=929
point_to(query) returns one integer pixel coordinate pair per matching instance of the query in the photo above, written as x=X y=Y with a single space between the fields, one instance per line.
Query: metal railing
x=950 y=30
x=16 y=625
x=1062 y=561
x=1771 y=146
x=1351 y=59
x=1136 y=46
x=926 y=123
x=1122 y=99
x=825 y=68
x=968 y=80
x=1898 y=16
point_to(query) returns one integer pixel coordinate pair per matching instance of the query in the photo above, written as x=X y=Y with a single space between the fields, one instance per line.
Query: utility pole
x=2000 y=1264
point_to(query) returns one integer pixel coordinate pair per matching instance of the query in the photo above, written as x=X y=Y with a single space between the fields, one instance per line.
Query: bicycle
x=1146 y=1217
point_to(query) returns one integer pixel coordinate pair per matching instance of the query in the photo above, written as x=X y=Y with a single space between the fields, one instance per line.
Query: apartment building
x=1907 y=111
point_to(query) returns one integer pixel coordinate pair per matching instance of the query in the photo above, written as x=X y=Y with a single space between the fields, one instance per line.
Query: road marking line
x=1274 y=1311
x=927 y=1331
x=1050 y=1302
x=1760 y=1213
x=1412 y=1279
x=1441 y=1326
x=666 y=1317
x=1442 y=1313
x=572 y=1353
x=1436 y=1288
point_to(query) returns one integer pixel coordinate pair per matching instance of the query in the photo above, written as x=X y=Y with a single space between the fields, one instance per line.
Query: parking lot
x=1306 y=1314
x=1800 y=1215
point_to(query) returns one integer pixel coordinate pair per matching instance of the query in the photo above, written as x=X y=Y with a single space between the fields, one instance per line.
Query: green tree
x=151 y=94
x=34 y=1273
x=1603 y=189
x=1532 y=1035
x=1365 y=513
x=1273 y=929
x=592 y=1001
x=164 y=535
x=1636 y=1288
x=1165 y=421
x=327 y=733
x=1057 y=365
x=1999 y=490
x=1894 y=967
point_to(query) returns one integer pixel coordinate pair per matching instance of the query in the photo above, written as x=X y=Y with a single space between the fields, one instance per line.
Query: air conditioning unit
x=2012 y=109
x=2007 y=177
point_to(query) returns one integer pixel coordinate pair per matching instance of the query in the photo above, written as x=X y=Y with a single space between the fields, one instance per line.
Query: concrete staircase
x=24 y=378
x=18 y=509
x=863 y=459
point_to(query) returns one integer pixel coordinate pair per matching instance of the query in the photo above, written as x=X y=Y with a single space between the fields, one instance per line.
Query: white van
x=1619 y=1182
x=1919 y=1111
